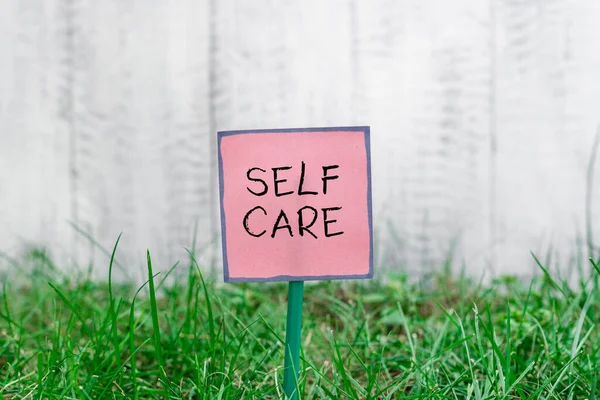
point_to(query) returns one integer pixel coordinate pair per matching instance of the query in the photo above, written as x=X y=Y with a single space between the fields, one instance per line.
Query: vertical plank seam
x=70 y=118
x=492 y=167
x=212 y=141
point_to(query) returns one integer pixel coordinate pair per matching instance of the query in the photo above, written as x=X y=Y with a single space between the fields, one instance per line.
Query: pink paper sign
x=296 y=204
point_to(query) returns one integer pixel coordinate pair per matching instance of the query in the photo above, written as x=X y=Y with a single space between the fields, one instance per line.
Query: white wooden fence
x=482 y=113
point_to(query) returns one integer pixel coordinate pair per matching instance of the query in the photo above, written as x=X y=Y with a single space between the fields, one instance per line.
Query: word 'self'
x=296 y=206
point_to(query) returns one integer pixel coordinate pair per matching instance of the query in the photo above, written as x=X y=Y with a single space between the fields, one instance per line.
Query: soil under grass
x=73 y=338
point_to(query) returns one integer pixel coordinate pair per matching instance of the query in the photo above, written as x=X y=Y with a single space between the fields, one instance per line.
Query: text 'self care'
x=306 y=216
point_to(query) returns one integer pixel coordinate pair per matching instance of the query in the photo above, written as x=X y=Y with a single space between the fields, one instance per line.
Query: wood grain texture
x=483 y=117
x=135 y=101
x=546 y=128
x=34 y=178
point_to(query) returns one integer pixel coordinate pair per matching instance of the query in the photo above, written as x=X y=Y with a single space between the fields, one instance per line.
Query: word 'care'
x=275 y=182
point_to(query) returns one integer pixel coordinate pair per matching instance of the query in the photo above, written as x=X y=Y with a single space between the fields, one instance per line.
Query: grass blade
x=547 y=275
x=111 y=304
x=132 y=350
x=155 y=325
x=507 y=365
x=86 y=330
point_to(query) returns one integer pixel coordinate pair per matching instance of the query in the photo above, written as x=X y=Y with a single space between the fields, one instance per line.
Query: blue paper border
x=287 y=278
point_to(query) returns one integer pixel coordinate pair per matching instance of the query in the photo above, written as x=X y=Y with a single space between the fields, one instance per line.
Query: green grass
x=193 y=338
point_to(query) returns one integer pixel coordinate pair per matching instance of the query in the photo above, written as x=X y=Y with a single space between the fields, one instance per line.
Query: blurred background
x=483 y=118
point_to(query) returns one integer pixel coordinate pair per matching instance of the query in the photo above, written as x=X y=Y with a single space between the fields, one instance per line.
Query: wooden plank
x=141 y=129
x=426 y=92
x=546 y=130
x=34 y=192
